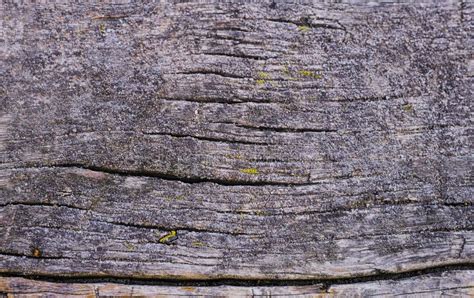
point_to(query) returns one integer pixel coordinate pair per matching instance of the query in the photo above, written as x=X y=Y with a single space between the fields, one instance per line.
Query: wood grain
x=279 y=141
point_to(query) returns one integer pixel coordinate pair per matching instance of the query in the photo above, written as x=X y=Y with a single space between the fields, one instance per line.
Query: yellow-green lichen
x=304 y=28
x=233 y=156
x=102 y=29
x=175 y=198
x=263 y=75
x=288 y=73
x=262 y=78
x=171 y=236
x=308 y=73
x=129 y=246
x=250 y=171
x=407 y=107
x=241 y=214
x=197 y=244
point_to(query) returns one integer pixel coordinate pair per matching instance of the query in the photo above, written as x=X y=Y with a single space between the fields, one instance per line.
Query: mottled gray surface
x=279 y=141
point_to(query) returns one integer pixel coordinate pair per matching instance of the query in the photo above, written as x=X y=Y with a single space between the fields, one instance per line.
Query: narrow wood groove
x=287 y=129
x=306 y=22
x=237 y=55
x=164 y=176
x=381 y=275
x=211 y=72
x=170 y=228
x=209 y=139
x=235 y=39
x=213 y=100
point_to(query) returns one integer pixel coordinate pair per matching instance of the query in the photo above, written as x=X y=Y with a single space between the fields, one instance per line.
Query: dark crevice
x=286 y=21
x=325 y=283
x=110 y=17
x=354 y=99
x=171 y=228
x=326 y=26
x=219 y=140
x=286 y=129
x=337 y=22
x=212 y=72
x=458 y=204
x=307 y=23
x=232 y=29
x=165 y=176
x=235 y=39
x=236 y=55
x=373 y=98
x=214 y=100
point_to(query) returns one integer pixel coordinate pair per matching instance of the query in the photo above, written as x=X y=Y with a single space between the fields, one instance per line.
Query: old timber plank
x=240 y=141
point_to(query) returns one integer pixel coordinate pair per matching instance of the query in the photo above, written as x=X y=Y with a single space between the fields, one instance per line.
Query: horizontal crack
x=458 y=204
x=109 y=17
x=164 y=176
x=235 y=39
x=373 y=98
x=308 y=24
x=219 y=140
x=236 y=55
x=286 y=129
x=231 y=29
x=170 y=228
x=326 y=283
x=211 y=100
x=211 y=72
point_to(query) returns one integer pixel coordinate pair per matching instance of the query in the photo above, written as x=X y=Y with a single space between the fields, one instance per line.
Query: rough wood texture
x=278 y=141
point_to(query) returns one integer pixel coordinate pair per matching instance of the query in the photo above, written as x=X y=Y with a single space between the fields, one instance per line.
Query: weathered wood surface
x=280 y=141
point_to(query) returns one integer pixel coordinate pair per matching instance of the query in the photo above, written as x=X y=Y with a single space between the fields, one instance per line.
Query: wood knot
x=36 y=252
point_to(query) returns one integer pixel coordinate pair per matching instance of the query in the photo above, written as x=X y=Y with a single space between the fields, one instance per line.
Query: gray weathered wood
x=279 y=141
